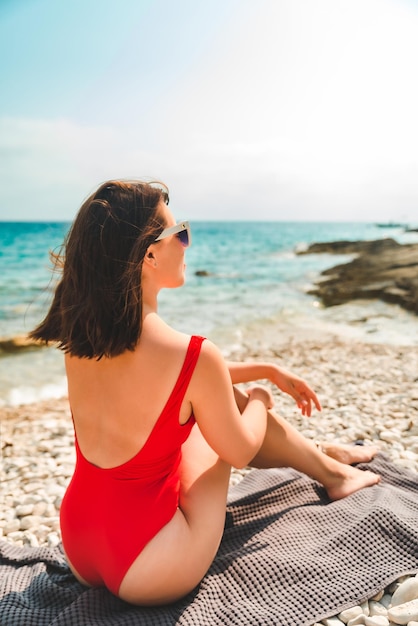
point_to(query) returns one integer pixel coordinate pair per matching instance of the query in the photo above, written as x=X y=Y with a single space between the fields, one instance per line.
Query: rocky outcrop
x=382 y=269
x=11 y=345
x=202 y=273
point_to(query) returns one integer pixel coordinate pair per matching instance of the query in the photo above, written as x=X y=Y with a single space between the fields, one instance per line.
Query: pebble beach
x=368 y=392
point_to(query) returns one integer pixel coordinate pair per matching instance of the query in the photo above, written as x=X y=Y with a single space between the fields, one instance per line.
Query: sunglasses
x=182 y=232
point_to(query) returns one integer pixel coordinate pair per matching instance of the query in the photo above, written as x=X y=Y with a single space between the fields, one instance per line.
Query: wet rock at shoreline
x=202 y=273
x=382 y=269
x=10 y=345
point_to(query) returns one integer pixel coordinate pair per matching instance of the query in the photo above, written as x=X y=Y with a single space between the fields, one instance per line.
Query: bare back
x=116 y=402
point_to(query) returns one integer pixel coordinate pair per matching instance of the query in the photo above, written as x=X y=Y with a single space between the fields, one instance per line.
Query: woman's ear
x=150 y=259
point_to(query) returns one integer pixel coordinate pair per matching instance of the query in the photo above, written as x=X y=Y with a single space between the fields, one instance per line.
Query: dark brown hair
x=97 y=305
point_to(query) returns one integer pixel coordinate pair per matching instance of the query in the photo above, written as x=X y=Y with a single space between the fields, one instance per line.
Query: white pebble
x=408 y=454
x=52 y=522
x=407 y=591
x=377 y=608
x=365 y=607
x=42 y=532
x=378 y=596
x=390 y=435
x=11 y=526
x=376 y=620
x=332 y=621
x=50 y=510
x=24 y=509
x=404 y=613
x=15 y=536
x=40 y=507
x=30 y=539
x=30 y=521
x=350 y=614
x=30 y=487
x=53 y=540
x=360 y=620
x=9 y=515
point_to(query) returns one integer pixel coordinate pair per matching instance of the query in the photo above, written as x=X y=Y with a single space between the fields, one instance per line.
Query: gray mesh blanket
x=289 y=557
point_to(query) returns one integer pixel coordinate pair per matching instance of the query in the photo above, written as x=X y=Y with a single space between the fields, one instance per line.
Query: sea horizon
x=380 y=223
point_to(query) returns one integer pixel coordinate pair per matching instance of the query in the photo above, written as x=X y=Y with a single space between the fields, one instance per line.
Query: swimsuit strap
x=187 y=370
x=170 y=412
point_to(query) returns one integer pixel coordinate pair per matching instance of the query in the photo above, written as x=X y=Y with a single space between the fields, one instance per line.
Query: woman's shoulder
x=182 y=342
x=211 y=360
x=158 y=333
x=168 y=340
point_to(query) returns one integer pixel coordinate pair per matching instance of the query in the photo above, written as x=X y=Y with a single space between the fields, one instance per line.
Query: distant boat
x=392 y=225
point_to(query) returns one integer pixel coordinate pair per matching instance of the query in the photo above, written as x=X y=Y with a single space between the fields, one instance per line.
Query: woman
x=158 y=423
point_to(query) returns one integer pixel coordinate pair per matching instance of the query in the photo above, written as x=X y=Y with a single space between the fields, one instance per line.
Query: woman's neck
x=149 y=308
x=149 y=301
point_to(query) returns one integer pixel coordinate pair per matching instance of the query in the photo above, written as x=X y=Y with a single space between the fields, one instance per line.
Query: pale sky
x=247 y=109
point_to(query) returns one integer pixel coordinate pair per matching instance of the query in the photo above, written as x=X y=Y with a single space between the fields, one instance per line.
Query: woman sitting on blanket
x=158 y=423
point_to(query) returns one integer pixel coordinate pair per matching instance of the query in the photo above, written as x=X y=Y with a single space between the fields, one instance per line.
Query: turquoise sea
x=253 y=274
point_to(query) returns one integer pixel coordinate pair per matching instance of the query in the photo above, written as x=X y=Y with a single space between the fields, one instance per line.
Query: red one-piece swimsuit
x=109 y=515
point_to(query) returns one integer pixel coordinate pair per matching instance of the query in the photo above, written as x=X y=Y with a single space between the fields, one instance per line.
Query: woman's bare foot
x=349 y=454
x=348 y=481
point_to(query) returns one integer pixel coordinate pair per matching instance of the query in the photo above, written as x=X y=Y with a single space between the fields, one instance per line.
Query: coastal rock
x=202 y=273
x=382 y=269
x=9 y=345
x=375 y=246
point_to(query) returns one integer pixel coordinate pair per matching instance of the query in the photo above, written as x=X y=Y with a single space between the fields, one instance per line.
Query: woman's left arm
x=291 y=384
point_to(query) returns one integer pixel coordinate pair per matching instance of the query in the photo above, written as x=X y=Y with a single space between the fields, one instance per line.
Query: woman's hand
x=297 y=388
x=284 y=380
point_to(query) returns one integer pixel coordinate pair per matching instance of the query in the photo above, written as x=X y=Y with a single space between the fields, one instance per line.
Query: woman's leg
x=178 y=557
x=284 y=446
x=349 y=454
